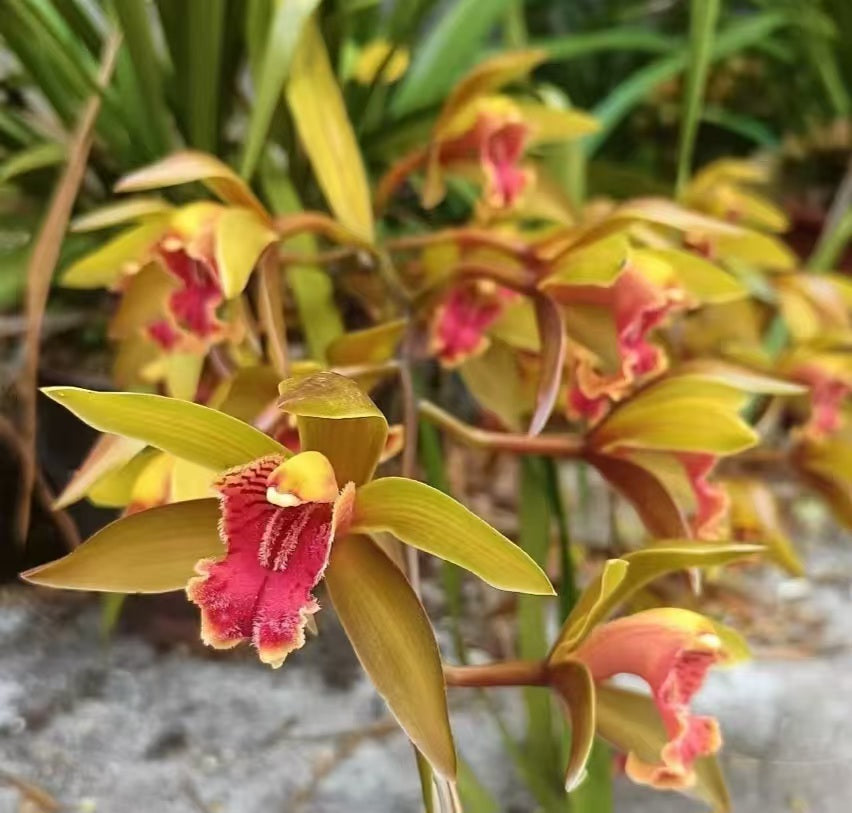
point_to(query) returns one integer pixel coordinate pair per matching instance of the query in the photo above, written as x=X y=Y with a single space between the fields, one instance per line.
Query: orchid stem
x=561 y=445
x=503 y=673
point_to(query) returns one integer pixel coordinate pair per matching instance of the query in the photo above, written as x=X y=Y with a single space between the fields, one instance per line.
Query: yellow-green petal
x=154 y=551
x=428 y=519
x=395 y=643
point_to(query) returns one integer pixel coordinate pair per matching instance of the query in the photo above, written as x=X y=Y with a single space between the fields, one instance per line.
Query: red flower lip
x=278 y=521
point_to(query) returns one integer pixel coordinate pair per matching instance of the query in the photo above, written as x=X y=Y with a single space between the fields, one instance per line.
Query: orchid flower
x=253 y=558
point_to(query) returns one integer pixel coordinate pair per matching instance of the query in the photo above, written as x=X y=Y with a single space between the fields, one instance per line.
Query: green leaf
x=425 y=518
x=621 y=578
x=336 y=418
x=152 y=551
x=395 y=643
x=613 y=39
x=445 y=52
x=327 y=135
x=540 y=741
x=135 y=21
x=475 y=797
x=189 y=431
x=39 y=156
x=205 y=27
x=631 y=91
x=631 y=722
x=285 y=28
x=575 y=688
x=702 y=24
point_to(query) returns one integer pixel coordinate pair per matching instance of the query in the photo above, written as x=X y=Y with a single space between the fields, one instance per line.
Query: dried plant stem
x=40 y=489
x=270 y=309
x=42 y=262
x=466 y=237
x=555 y=445
x=503 y=673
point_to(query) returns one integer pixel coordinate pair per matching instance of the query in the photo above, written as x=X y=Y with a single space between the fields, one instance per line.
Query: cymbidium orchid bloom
x=660 y=447
x=252 y=559
x=458 y=326
x=489 y=133
x=724 y=189
x=672 y=651
x=637 y=307
x=174 y=267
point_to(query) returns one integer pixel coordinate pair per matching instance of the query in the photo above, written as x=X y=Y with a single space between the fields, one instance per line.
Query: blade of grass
x=285 y=29
x=745 y=126
x=310 y=285
x=702 y=25
x=615 y=39
x=445 y=52
x=534 y=537
x=135 y=23
x=203 y=31
x=39 y=156
x=40 y=270
x=568 y=592
x=736 y=37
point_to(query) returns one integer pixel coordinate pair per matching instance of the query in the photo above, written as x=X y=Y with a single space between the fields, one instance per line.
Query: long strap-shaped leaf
x=327 y=135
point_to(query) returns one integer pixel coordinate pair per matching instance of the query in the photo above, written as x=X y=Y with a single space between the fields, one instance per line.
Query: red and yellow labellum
x=193 y=305
x=671 y=650
x=459 y=323
x=278 y=521
x=828 y=392
x=637 y=307
x=711 y=499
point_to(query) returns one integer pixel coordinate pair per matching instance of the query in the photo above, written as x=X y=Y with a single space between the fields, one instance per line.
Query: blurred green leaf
x=204 y=29
x=613 y=39
x=39 y=156
x=285 y=29
x=736 y=37
x=445 y=52
x=702 y=25
x=326 y=133
x=134 y=18
x=540 y=741
x=310 y=285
